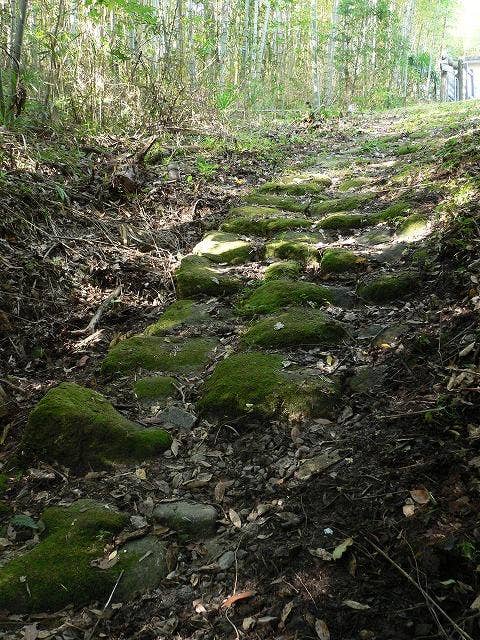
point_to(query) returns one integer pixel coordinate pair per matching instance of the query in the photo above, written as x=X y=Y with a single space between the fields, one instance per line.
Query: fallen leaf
x=323 y=554
x=174 y=447
x=408 y=510
x=200 y=481
x=141 y=473
x=341 y=548
x=278 y=325
x=286 y=611
x=468 y=349
x=476 y=604
x=231 y=600
x=235 y=518
x=420 y=495
x=353 y=604
x=199 y=607
x=248 y=623
x=30 y=632
x=322 y=630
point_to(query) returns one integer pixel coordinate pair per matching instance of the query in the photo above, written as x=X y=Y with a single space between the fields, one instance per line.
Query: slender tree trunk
x=16 y=55
x=314 y=47
x=330 y=79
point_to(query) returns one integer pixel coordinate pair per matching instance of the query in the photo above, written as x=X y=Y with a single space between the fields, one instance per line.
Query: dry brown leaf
x=420 y=495
x=141 y=473
x=287 y=609
x=235 y=519
x=322 y=630
x=231 y=600
x=408 y=510
x=358 y=606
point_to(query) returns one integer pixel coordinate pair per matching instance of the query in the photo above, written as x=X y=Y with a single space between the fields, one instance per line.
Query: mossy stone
x=278 y=294
x=197 y=276
x=388 y=287
x=342 y=221
x=155 y=387
x=262 y=221
x=59 y=571
x=219 y=246
x=297 y=185
x=294 y=245
x=79 y=427
x=153 y=353
x=255 y=384
x=393 y=211
x=413 y=227
x=285 y=269
x=181 y=312
x=406 y=149
x=353 y=183
x=190 y=519
x=277 y=202
x=340 y=261
x=347 y=203
x=294 y=327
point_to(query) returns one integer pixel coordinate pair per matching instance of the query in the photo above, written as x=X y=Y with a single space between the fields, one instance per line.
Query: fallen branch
x=90 y=328
x=427 y=597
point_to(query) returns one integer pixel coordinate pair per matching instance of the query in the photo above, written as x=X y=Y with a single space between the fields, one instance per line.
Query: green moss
x=295 y=246
x=79 y=427
x=388 y=287
x=277 y=202
x=155 y=387
x=294 y=327
x=345 y=221
x=297 y=185
x=196 y=276
x=219 y=246
x=157 y=354
x=347 y=203
x=177 y=314
x=352 y=183
x=255 y=384
x=57 y=572
x=277 y=294
x=286 y=269
x=262 y=221
x=339 y=261
x=393 y=211
x=413 y=226
x=407 y=149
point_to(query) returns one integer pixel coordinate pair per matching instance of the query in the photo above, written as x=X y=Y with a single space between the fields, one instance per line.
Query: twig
x=90 y=328
x=427 y=596
x=90 y=636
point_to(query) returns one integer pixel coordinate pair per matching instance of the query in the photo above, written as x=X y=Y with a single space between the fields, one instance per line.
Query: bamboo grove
x=125 y=61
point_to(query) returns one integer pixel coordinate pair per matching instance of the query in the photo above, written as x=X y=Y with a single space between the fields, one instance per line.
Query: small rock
x=316 y=465
x=138 y=522
x=226 y=560
x=185 y=517
x=367 y=378
x=177 y=417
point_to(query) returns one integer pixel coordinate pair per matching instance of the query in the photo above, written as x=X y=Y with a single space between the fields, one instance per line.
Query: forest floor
x=354 y=520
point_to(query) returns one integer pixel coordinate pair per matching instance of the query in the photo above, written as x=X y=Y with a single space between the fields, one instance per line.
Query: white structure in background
x=459 y=79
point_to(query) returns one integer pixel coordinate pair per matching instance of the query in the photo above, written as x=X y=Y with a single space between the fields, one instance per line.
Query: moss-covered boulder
x=294 y=327
x=347 y=203
x=197 y=276
x=79 y=427
x=340 y=261
x=298 y=185
x=284 y=203
x=407 y=149
x=393 y=211
x=353 y=183
x=341 y=221
x=61 y=571
x=388 y=287
x=263 y=221
x=283 y=270
x=219 y=246
x=278 y=294
x=413 y=227
x=155 y=388
x=181 y=312
x=255 y=384
x=294 y=245
x=153 y=353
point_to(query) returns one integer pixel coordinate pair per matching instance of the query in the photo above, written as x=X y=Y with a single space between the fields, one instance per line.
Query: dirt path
x=290 y=376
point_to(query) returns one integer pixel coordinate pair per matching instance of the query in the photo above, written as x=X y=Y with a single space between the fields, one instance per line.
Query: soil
x=382 y=540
